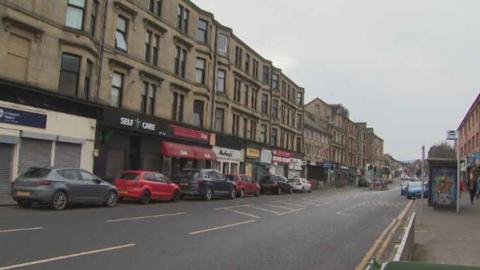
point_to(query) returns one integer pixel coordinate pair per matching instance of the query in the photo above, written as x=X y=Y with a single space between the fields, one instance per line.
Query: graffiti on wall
x=444 y=187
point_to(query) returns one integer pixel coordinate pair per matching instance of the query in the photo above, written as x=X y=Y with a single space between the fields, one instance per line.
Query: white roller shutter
x=6 y=155
x=34 y=153
x=67 y=155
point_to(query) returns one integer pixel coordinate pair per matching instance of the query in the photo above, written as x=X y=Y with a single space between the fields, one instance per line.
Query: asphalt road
x=320 y=230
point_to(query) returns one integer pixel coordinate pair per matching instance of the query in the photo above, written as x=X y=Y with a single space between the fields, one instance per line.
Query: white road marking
x=290 y=203
x=146 y=217
x=289 y=212
x=307 y=202
x=66 y=257
x=21 y=230
x=234 y=206
x=280 y=207
x=242 y=213
x=266 y=210
x=324 y=203
x=220 y=227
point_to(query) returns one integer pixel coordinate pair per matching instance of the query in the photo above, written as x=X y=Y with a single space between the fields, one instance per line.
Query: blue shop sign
x=23 y=118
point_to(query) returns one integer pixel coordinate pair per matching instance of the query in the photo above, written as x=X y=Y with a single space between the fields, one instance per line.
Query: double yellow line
x=382 y=242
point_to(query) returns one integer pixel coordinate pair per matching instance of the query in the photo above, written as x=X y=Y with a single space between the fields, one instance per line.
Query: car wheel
x=24 y=204
x=303 y=189
x=176 y=196
x=257 y=193
x=233 y=194
x=290 y=191
x=112 y=199
x=146 y=197
x=208 y=195
x=278 y=191
x=241 y=194
x=59 y=200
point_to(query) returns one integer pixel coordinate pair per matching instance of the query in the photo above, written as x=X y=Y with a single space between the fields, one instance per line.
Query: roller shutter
x=67 y=155
x=6 y=155
x=34 y=153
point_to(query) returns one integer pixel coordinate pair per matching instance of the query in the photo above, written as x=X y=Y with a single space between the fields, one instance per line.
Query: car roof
x=139 y=171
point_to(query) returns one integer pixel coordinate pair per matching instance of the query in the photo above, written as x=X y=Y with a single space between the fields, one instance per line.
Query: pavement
x=6 y=200
x=446 y=237
x=331 y=229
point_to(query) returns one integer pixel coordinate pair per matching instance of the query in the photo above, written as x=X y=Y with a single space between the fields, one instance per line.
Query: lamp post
x=452 y=135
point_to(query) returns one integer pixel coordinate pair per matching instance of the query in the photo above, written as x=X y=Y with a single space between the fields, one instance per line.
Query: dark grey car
x=60 y=187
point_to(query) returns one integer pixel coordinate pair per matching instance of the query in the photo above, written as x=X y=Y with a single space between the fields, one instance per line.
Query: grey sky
x=410 y=68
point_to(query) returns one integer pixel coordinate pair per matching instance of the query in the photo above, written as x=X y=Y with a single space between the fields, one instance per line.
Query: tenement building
x=374 y=154
x=124 y=84
x=469 y=138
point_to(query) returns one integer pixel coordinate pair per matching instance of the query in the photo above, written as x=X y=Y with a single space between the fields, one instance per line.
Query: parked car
x=205 y=183
x=362 y=182
x=403 y=188
x=60 y=187
x=244 y=185
x=300 y=185
x=276 y=184
x=414 y=190
x=145 y=186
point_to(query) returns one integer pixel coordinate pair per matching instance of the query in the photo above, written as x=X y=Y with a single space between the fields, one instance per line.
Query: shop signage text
x=23 y=118
x=228 y=154
x=190 y=133
x=253 y=153
x=282 y=153
x=283 y=160
x=137 y=123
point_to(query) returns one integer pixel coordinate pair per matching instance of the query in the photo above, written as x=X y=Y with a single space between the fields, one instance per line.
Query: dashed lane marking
x=265 y=210
x=220 y=227
x=290 y=212
x=280 y=207
x=146 y=217
x=85 y=253
x=242 y=213
x=21 y=230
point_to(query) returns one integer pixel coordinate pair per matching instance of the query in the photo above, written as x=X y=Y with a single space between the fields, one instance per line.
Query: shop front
x=295 y=168
x=128 y=141
x=228 y=160
x=252 y=157
x=280 y=162
x=32 y=137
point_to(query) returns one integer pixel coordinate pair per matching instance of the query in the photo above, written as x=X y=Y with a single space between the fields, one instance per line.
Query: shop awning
x=202 y=153
x=170 y=149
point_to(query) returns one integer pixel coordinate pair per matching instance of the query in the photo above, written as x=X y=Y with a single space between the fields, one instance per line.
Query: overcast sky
x=410 y=68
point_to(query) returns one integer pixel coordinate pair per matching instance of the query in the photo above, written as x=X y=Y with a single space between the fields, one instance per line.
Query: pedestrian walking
x=473 y=185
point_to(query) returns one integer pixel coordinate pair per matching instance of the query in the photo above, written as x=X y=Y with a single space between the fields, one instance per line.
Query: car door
x=221 y=183
x=95 y=188
x=250 y=188
x=76 y=187
x=153 y=184
x=165 y=188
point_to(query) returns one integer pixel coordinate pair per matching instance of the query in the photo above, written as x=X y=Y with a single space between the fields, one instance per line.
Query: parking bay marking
x=290 y=203
x=146 y=217
x=21 y=230
x=290 y=212
x=265 y=210
x=241 y=213
x=280 y=207
x=220 y=227
x=85 y=253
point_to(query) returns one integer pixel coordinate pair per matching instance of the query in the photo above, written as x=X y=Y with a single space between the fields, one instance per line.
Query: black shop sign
x=22 y=118
x=137 y=123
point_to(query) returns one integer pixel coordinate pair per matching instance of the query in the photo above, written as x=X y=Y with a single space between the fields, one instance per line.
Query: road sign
x=452 y=135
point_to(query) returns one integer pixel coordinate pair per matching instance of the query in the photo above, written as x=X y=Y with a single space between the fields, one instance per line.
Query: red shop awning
x=201 y=153
x=170 y=149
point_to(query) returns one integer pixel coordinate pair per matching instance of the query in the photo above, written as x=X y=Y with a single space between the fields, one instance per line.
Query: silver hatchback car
x=60 y=187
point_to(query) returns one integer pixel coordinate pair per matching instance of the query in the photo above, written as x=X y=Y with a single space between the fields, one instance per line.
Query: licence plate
x=123 y=192
x=23 y=193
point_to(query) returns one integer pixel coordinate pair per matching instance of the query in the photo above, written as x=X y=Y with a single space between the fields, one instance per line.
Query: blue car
x=414 y=190
x=403 y=188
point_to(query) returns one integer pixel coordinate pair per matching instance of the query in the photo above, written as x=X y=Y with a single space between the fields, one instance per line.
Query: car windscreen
x=129 y=176
x=186 y=176
x=230 y=177
x=293 y=180
x=415 y=185
x=36 y=172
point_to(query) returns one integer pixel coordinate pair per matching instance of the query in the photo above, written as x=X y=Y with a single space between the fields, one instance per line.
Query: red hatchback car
x=244 y=185
x=145 y=186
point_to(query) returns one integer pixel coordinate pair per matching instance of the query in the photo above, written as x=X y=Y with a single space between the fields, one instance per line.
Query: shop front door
x=6 y=156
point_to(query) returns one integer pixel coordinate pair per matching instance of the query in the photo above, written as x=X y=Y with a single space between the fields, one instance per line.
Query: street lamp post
x=452 y=135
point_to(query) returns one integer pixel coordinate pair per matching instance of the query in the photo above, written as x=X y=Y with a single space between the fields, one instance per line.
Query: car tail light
x=42 y=182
